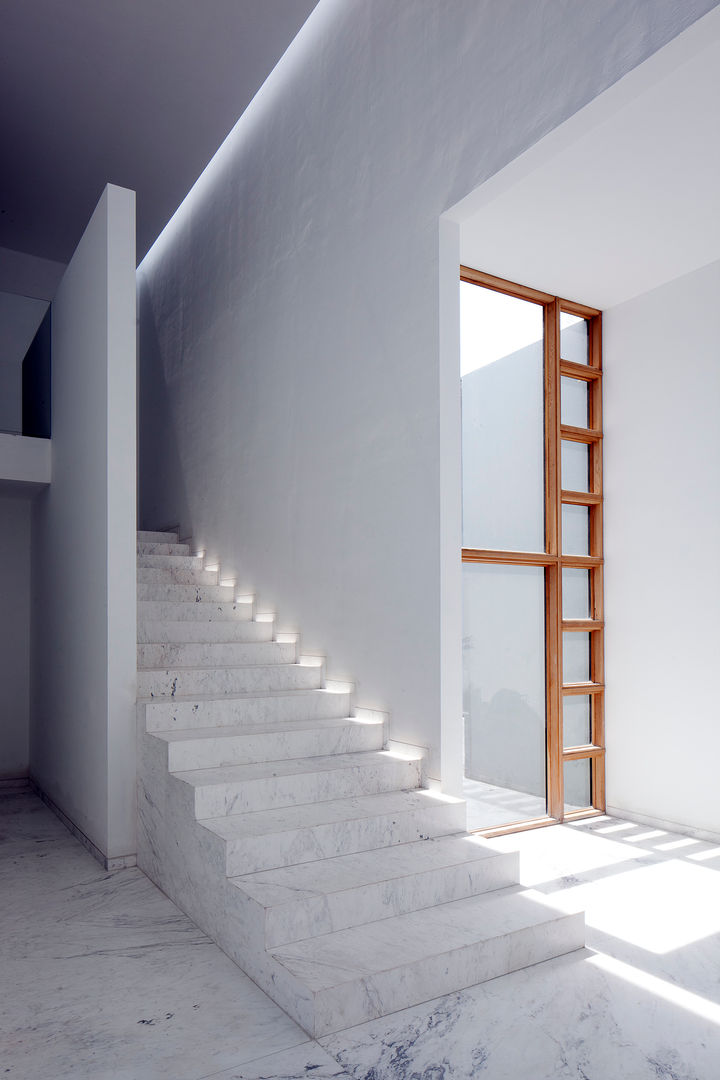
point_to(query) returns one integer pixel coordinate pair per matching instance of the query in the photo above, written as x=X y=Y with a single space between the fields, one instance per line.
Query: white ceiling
x=623 y=197
x=138 y=93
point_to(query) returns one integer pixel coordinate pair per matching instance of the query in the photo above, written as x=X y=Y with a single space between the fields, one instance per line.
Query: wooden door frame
x=553 y=560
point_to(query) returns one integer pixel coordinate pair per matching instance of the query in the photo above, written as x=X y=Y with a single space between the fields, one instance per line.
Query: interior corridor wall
x=14 y=634
x=82 y=735
x=289 y=313
x=662 y=535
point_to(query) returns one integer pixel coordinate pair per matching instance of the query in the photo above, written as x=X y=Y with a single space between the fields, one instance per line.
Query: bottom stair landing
x=272 y=813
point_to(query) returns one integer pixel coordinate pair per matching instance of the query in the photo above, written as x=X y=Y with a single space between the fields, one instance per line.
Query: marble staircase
x=272 y=813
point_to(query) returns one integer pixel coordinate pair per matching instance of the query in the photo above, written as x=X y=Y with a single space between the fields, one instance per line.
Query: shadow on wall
x=155 y=423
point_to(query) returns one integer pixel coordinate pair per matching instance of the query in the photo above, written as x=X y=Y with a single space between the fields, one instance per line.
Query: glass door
x=532 y=555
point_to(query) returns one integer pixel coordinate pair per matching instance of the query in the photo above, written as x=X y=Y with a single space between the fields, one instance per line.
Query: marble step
x=240 y=789
x=145 y=550
x=236 y=709
x=176 y=576
x=195 y=611
x=209 y=748
x=354 y=975
x=193 y=593
x=170 y=562
x=312 y=899
x=215 y=654
x=286 y=836
x=161 y=632
x=254 y=678
x=148 y=537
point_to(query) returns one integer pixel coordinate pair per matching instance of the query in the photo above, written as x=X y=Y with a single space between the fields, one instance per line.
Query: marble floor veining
x=103 y=978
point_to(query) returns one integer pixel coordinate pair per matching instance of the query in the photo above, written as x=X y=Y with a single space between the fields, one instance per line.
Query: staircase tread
x=330 y=960
x=232 y=774
x=166 y=670
x=246 y=695
x=289 y=884
x=267 y=727
x=334 y=811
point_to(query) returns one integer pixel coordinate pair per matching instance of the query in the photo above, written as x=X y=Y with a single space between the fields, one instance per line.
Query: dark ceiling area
x=138 y=93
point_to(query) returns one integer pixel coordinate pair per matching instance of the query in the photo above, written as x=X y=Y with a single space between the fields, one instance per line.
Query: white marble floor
x=489 y=805
x=102 y=977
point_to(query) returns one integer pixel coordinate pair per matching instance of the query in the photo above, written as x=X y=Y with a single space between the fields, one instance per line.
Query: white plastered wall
x=82 y=742
x=14 y=634
x=662 y=535
x=294 y=413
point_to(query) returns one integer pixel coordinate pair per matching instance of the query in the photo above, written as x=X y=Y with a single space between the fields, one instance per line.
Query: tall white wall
x=84 y=635
x=291 y=390
x=662 y=535
x=14 y=634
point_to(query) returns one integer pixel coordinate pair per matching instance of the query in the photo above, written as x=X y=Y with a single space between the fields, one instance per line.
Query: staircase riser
x=387 y=992
x=153 y=576
x=254 y=854
x=226 y=632
x=169 y=562
x=178 y=682
x=323 y=915
x=214 y=656
x=190 y=611
x=216 y=800
x=145 y=550
x=275 y=746
x=181 y=715
x=193 y=594
x=145 y=537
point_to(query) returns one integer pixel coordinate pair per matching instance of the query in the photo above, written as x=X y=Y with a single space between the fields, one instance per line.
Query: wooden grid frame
x=552 y=558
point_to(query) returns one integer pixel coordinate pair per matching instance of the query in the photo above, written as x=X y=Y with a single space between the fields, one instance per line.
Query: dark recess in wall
x=36 y=382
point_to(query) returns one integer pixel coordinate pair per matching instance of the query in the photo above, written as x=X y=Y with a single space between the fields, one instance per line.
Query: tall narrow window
x=532 y=555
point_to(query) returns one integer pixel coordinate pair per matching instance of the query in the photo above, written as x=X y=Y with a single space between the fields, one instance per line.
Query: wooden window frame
x=554 y=561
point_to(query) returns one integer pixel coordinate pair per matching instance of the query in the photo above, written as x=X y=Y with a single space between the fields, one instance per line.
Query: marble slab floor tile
x=103 y=978
x=641 y=1002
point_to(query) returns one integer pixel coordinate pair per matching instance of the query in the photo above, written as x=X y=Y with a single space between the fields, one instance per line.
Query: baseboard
x=120 y=862
x=661 y=823
x=13 y=784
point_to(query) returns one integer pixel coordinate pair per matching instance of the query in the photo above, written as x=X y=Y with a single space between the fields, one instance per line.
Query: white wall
x=291 y=394
x=84 y=634
x=14 y=634
x=662 y=537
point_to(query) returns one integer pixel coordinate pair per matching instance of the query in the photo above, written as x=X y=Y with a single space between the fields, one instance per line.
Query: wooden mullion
x=573 y=308
x=489 y=281
x=579 y=753
x=578 y=434
x=581 y=498
x=582 y=562
x=509 y=558
x=582 y=688
x=591 y=625
x=579 y=371
x=553 y=574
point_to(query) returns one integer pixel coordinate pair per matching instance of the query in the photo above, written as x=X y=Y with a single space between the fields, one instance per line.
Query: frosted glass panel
x=576 y=657
x=576 y=720
x=573 y=402
x=577 y=785
x=575 y=593
x=573 y=338
x=504 y=692
x=502 y=420
x=575 y=461
x=575 y=530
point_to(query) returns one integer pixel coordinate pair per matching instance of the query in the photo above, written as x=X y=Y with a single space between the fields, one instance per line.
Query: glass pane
x=504 y=693
x=575 y=530
x=576 y=657
x=573 y=402
x=501 y=341
x=575 y=464
x=577 y=785
x=573 y=338
x=576 y=720
x=575 y=593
